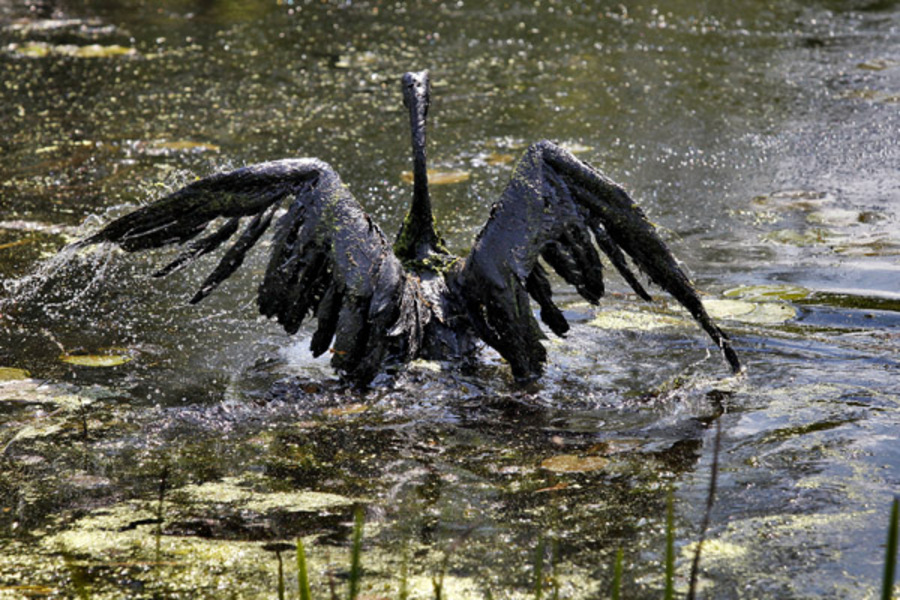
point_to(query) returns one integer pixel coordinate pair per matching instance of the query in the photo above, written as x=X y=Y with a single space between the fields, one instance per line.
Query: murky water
x=761 y=137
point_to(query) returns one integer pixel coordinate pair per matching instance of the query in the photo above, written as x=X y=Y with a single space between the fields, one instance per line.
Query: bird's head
x=417 y=93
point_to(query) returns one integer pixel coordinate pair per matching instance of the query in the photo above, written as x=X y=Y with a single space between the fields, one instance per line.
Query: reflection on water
x=760 y=137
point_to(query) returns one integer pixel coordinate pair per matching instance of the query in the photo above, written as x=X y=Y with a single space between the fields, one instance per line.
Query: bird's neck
x=418 y=242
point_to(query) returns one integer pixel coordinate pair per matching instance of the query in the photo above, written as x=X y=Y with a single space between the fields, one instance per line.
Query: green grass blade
x=670 y=546
x=280 y=577
x=554 y=563
x=356 y=555
x=79 y=581
x=890 y=561
x=404 y=573
x=539 y=570
x=617 y=575
x=302 y=573
x=437 y=582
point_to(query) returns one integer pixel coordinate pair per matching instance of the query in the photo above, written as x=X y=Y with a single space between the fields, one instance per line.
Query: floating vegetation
x=95 y=360
x=447 y=459
x=761 y=306
x=884 y=244
x=32 y=391
x=871 y=95
x=439 y=177
x=13 y=374
x=792 y=237
x=793 y=199
x=769 y=292
x=878 y=64
x=835 y=217
x=346 y=410
x=570 y=463
x=241 y=493
x=636 y=320
x=759 y=313
x=499 y=158
x=42 y=50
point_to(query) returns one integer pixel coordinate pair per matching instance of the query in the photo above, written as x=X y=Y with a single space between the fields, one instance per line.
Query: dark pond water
x=761 y=137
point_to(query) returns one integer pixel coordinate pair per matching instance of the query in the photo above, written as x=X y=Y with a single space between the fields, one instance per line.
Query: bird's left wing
x=561 y=209
x=327 y=258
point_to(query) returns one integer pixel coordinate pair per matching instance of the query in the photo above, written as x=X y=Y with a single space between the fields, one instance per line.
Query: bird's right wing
x=327 y=258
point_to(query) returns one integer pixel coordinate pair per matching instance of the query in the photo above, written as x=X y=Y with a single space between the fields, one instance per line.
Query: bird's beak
x=417 y=95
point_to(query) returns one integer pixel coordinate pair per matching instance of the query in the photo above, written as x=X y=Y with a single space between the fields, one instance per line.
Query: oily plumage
x=376 y=302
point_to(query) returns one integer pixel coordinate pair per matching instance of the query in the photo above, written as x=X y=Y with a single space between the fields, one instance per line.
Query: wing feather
x=561 y=209
x=328 y=259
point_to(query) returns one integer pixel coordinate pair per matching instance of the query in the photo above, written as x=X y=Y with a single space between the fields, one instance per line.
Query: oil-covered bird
x=378 y=302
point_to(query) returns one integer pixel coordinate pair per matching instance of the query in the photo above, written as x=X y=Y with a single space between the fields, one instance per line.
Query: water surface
x=760 y=137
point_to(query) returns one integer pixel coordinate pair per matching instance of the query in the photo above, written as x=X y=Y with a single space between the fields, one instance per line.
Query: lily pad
x=13 y=374
x=437 y=177
x=570 y=463
x=95 y=360
x=761 y=313
x=768 y=292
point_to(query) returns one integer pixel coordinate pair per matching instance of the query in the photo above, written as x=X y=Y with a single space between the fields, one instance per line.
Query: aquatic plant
x=670 y=546
x=617 y=575
x=890 y=559
x=356 y=555
x=302 y=575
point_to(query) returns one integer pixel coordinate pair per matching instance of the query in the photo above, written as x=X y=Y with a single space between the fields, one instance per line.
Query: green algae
x=95 y=360
x=127 y=537
x=234 y=491
x=792 y=237
x=43 y=50
x=439 y=176
x=12 y=374
x=759 y=313
x=636 y=320
x=247 y=115
x=758 y=310
x=570 y=463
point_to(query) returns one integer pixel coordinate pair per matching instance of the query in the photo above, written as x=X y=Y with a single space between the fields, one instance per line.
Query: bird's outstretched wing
x=561 y=209
x=327 y=259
